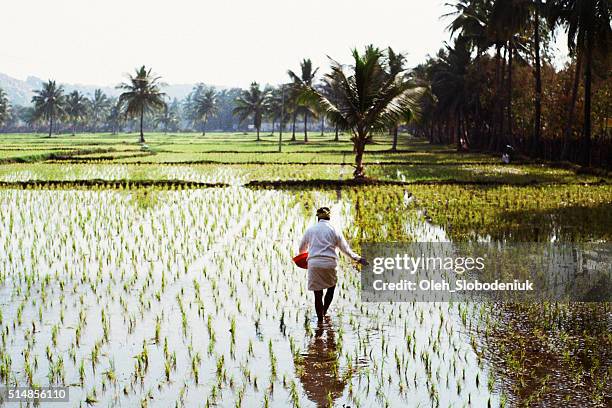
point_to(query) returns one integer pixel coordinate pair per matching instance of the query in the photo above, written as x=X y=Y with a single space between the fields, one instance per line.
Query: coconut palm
x=470 y=19
x=99 y=104
x=115 y=116
x=204 y=106
x=76 y=108
x=277 y=107
x=305 y=78
x=5 y=107
x=49 y=103
x=168 y=118
x=332 y=94
x=508 y=21
x=396 y=66
x=369 y=98
x=142 y=94
x=254 y=103
x=450 y=85
x=587 y=23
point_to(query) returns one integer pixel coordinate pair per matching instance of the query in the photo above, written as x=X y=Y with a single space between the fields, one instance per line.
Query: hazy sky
x=231 y=42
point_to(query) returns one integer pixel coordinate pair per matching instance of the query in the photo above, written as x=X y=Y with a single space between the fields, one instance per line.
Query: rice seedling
x=154 y=290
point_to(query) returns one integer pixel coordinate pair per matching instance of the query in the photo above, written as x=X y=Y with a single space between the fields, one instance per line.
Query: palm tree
x=508 y=21
x=332 y=94
x=396 y=66
x=115 y=116
x=278 y=106
x=254 y=103
x=292 y=95
x=205 y=106
x=142 y=94
x=537 y=125
x=370 y=99
x=49 y=103
x=305 y=79
x=168 y=118
x=450 y=86
x=587 y=23
x=470 y=19
x=76 y=108
x=99 y=104
x=5 y=108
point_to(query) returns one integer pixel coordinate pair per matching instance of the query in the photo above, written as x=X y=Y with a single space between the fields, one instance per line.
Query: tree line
x=493 y=88
x=143 y=106
x=495 y=84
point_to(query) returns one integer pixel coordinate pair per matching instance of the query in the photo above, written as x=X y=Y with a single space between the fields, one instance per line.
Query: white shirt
x=321 y=241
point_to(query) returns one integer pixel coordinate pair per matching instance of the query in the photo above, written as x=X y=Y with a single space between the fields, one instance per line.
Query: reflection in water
x=318 y=367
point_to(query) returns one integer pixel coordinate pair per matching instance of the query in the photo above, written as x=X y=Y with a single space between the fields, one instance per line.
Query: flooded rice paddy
x=189 y=298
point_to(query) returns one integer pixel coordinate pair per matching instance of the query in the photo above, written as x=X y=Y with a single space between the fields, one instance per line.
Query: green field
x=222 y=156
x=162 y=273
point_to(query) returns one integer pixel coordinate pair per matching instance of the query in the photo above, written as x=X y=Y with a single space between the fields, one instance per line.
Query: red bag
x=301 y=260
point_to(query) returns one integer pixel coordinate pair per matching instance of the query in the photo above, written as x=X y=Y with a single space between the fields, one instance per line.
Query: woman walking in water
x=321 y=241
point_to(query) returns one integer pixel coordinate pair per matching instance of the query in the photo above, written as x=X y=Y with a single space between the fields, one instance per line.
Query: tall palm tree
x=370 y=99
x=292 y=95
x=396 y=62
x=306 y=79
x=276 y=108
x=537 y=125
x=142 y=94
x=5 y=107
x=330 y=93
x=508 y=21
x=115 y=116
x=449 y=84
x=49 y=103
x=76 y=108
x=254 y=103
x=587 y=23
x=205 y=106
x=168 y=118
x=470 y=19
x=99 y=104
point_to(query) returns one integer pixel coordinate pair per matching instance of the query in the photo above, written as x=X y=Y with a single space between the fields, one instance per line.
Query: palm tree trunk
x=50 y=125
x=536 y=151
x=458 y=133
x=306 y=127
x=359 y=149
x=571 y=108
x=586 y=154
x=293 y=127
x=395 y=131
x=322 y=124
x=509 y=111
x=497 y=113
x=337 y=138
x=142 y=139
x=204 y=128
x=257 y=127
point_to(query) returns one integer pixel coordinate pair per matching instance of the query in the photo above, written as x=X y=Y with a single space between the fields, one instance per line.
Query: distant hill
x=20 y=92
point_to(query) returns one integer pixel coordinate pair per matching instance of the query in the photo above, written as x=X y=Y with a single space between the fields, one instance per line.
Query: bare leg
x=329 y=296
x=318 y=294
